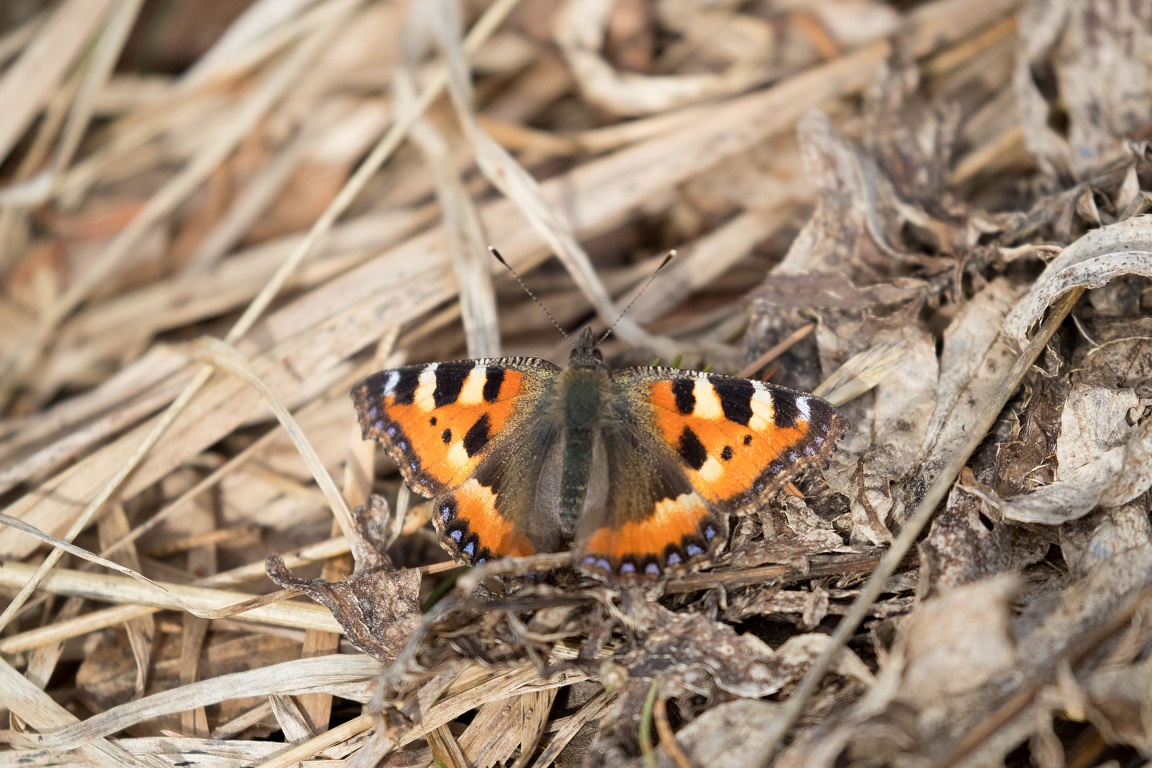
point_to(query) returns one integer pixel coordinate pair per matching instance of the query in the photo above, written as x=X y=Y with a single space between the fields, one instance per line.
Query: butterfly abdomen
x=580 y=408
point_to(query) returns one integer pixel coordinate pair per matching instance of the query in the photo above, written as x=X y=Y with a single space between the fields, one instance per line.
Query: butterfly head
x=586 y=353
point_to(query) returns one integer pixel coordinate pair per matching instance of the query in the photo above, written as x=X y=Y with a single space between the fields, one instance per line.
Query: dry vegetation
x=930 y=213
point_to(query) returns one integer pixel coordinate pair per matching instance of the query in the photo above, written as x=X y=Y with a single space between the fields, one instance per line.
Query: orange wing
x=652 y=522
x=737 y=440
x=437 y=421
x=686 y=449
x=449 y=427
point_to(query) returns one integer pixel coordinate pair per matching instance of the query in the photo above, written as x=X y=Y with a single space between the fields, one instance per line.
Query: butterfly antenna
x=528 y=291
x=648 y=282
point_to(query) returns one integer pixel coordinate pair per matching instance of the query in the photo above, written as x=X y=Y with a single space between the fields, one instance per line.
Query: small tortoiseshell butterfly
x=635 y=470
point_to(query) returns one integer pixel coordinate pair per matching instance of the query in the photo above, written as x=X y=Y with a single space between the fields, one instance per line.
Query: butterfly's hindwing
x=496 y=512
x=651 y=521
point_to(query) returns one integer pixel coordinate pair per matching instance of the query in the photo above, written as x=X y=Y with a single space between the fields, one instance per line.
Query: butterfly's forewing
x=438 y=421
x=737 y=440
x=498 y=512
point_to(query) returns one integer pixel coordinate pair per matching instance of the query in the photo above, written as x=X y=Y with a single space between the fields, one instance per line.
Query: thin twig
x=667 y=737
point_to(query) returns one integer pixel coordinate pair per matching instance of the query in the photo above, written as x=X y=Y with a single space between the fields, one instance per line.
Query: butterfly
x=635 y=470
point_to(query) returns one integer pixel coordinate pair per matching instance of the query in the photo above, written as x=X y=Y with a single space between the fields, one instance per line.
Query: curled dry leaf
x=1102 y=460
x=378 y=605
x=957 y=642
x=803 y=528
x=1123 y=248
x=580 y=30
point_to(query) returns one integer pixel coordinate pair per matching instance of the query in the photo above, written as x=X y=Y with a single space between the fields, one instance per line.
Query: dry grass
x=932 y=216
